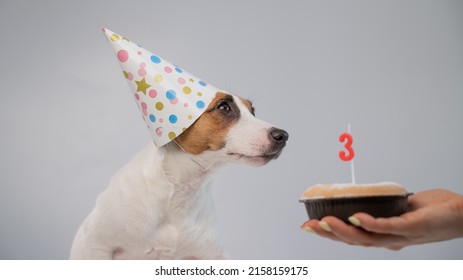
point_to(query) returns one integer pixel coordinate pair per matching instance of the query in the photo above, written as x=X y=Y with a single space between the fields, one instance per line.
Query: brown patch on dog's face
x=210 y=130
x=248 y=105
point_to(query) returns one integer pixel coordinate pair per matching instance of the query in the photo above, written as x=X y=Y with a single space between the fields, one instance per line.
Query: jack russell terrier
x=159 y=205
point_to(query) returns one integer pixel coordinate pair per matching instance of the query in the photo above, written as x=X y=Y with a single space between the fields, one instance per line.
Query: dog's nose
x=279 y=135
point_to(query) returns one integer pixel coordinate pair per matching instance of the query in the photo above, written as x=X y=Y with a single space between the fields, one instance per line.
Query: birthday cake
x=385 y=199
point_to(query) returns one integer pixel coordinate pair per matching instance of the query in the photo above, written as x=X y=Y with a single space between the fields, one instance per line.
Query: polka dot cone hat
x=169 y=98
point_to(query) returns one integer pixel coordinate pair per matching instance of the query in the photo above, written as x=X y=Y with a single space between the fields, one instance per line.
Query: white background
x=393 y=69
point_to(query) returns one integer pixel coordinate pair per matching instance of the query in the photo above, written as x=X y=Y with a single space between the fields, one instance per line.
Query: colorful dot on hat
x=153 y=93
x=122 y=55
x=187 y=90
x=172 y=118
x=171 y=94
x=152 y=118
x=159 y=131
x=144 y=108
x=128 y=75
x=181 y=80
x=174 y=101
x=185 y=104
x=155 y=59
x=168 y=69
x=158 y=78
x=142 y=70
x=200 y=104
x=137 y=97
x=178 y=70
x=202 y=83
x=172 y=135
x=114 y=37
x=159 y=106
x=200 y=93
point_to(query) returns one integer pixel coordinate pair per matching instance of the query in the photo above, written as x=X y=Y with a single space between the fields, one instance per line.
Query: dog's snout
x=278 y=135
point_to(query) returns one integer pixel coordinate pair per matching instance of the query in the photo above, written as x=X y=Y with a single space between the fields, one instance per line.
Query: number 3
x=342 y=154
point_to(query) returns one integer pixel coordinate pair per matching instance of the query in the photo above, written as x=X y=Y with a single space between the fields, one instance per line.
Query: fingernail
x=353 y=220
x=308 y=229
x=325 y=226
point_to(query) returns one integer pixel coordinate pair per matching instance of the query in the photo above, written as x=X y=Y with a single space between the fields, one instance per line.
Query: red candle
x=349 y=156
x=350 y=151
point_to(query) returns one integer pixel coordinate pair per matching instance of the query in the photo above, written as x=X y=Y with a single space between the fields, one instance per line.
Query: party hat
x=170 y=98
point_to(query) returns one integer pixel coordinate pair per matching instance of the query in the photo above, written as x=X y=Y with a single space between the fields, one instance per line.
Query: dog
x=159 y=205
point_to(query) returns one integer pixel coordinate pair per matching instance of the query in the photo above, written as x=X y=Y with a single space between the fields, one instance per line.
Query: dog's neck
x=184 y=169
x=187 y=175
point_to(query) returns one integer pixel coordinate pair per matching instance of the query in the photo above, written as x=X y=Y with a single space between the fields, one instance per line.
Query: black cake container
x=381 y=206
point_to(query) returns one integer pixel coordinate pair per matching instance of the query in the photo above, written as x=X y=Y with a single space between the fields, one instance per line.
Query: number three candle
x=349 y=156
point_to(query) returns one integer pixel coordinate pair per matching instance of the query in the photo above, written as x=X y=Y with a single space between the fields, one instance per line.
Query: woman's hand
x=432 y=215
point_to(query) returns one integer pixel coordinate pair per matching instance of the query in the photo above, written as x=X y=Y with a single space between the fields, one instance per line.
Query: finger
x=392 y=225
x=353 y=235
x=334 y=225
x=314 y=226
x=308 y=226
x=347 y=233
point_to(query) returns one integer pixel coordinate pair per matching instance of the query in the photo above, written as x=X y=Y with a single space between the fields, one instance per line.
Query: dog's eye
x=223 y=105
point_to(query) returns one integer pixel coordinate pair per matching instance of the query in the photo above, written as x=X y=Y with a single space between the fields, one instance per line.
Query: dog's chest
x=175 y=238
x=186 y=229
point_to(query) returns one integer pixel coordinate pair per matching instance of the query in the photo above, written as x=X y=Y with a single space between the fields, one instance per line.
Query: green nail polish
x=308 y=229
x=325 y=226
x=353 y=220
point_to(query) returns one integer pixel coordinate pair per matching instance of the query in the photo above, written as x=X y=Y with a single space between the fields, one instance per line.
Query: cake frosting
x=351 y=190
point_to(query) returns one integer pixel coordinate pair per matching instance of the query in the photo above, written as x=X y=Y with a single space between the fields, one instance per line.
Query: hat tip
x=106 y=32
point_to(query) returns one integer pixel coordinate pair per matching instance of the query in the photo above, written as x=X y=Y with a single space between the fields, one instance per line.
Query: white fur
x=159 y=205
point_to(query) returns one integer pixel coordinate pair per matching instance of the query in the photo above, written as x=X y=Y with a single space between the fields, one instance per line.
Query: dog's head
x=230 y=129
